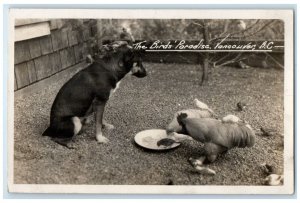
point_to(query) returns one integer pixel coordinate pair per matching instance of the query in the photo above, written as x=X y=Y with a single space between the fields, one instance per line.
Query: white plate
x=149 y=138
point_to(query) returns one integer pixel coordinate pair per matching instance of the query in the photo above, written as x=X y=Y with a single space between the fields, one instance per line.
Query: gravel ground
x=150 y=102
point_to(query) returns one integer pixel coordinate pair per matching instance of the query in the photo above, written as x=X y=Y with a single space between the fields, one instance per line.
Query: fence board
x=46 y=45
x=22 y=75
x=67 y=57
x=31 y=71
x=72 y=37
x=53 y=24
x=35 y=48
x=21 y=52
x=86 y=34
x=59 y=39
x=54 y=62
x=78 y=49
x=85 y=50
x=64 y=38
x=31 y=31
x=42 y=67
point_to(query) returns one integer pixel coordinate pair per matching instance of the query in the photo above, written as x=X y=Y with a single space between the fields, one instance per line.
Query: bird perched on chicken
x=231 y=119
x=217 y=137
x=202 y=106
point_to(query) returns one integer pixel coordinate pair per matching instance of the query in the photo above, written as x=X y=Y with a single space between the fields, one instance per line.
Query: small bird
x=274 y=180
x=202 y=106
x=241 y=106
x=241 y=25
x=166 y=142
x=205 y=170
x=89 y=59
x=216 y=136
x=267 y=132
x=126 y=35
x=231 y=119
x=268 y=169
x=199 y=166
x=197 y=162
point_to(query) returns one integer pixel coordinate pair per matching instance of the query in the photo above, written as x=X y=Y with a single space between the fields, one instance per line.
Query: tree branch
x=234 y=33
x=197 y=24
x=263 y=27
x=273 y=59
x=236 y=59
x=221 y=59
x=243 y=31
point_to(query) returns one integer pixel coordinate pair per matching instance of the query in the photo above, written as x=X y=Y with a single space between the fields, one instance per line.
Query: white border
x=285 y=15
x=152 y=13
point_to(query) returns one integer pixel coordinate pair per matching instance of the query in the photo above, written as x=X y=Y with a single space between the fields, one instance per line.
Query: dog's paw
x=108 y=126
x=102 y=139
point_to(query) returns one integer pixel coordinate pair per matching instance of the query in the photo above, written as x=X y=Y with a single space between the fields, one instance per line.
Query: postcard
x=151 y=101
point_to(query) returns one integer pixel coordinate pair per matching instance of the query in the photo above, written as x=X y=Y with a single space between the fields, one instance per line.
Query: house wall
x=43 y=56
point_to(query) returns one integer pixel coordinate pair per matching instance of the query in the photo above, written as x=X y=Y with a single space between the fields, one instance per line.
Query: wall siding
x=46 y=45
x=35 y=48
x=22 y=52
x=38 y=58
x=31 y=72
x=22 y=75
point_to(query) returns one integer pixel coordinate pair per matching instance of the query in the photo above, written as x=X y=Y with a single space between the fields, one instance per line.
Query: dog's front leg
x=87 y=117
x=99 y=116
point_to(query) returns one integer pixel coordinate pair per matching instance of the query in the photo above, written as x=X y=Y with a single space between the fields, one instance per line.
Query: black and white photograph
x=151 y=101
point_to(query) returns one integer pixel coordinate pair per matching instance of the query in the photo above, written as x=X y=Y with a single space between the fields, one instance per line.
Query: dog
x=89 y=90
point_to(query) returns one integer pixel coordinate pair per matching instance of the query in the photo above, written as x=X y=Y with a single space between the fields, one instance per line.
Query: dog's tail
x=181 y=118
x=64 y=127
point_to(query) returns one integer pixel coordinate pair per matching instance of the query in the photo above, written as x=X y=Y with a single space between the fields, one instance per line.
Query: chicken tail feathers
x=245 y=139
